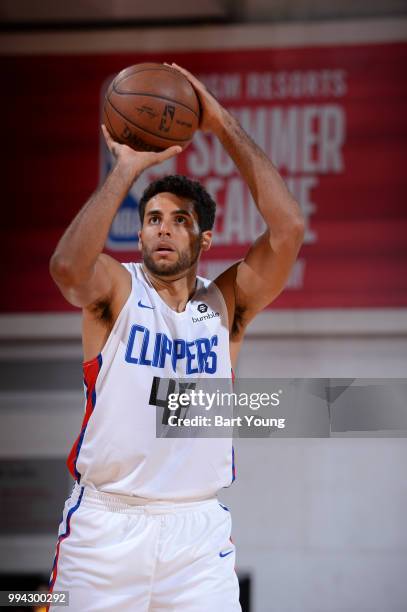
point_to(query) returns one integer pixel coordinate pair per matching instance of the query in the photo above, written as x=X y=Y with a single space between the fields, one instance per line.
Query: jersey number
x=161 y=389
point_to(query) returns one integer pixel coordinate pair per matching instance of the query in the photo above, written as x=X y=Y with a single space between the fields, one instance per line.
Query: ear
x=206 y=240
x=140 y=245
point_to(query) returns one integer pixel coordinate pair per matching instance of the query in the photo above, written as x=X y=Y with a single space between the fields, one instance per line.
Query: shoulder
x=209 y=294
x=134 y=271
x=131 y=267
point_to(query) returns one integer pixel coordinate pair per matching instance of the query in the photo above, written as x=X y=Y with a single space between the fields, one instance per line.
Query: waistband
x=136 y=505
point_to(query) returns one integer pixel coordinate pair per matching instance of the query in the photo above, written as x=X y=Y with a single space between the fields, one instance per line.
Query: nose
x=164 y=228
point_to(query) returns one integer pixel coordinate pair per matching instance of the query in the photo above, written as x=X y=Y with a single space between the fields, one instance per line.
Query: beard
x=186 y=260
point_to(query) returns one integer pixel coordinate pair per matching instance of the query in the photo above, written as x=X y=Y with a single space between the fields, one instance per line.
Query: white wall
x=319 y=523
x=314 y=357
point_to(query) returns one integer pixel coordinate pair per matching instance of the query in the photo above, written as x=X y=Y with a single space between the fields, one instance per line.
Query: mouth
x=164 y=249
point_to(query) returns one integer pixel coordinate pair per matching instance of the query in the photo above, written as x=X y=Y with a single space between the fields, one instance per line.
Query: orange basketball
x=151 y=107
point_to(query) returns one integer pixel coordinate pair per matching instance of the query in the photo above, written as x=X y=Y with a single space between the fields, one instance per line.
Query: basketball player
x=143 y=530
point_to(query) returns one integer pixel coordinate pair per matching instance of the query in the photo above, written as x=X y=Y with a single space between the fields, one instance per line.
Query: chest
x=187 y=343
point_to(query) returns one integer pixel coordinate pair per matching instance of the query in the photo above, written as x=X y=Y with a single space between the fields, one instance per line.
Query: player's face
x=170 y=238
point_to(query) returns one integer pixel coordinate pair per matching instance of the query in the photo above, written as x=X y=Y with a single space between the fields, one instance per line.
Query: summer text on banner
x=331 y=118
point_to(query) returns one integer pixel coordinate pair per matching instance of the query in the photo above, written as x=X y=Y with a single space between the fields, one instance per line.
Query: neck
x=177 y=290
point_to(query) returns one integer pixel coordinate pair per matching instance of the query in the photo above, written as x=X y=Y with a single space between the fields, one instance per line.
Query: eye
x=179 y=219
x=154 y=219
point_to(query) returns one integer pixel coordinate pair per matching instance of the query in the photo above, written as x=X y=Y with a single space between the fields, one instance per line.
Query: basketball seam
x=146 y=70
x=143 y=129
x=116 y=137
x=139 y=93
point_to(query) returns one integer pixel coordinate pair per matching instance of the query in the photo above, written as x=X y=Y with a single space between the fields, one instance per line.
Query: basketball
x=151 y=107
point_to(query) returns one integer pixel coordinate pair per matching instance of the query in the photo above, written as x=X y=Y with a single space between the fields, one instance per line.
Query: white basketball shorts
x=119 y=553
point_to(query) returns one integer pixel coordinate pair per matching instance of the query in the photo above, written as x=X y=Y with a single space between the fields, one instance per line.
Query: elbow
x=297 y=225
x=67 y=273
x=290 y=239
x=61 y=270
x=298 y=230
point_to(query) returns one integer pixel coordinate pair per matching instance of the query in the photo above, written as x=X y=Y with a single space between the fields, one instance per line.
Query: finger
x=183 y=70
x=174 y=66
x=108 y=139
x=168 y=153
x=191 y=78
x=179 y=67
x=105 y=132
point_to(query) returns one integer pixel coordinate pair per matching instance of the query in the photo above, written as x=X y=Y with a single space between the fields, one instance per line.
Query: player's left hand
x=211 y=111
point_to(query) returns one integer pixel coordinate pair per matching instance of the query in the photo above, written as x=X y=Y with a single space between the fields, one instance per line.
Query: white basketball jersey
x=117 y=450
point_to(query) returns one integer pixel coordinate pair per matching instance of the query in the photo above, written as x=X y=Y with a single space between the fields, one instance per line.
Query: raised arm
x=250 y=285
x=86 y=277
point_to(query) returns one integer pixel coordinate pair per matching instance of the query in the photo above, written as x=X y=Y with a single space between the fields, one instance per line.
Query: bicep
x=251 y=284
x=106 y=279
x=263 y=273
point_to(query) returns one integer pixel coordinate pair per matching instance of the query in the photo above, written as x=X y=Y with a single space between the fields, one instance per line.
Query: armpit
x=102 y=311
x=238 y=321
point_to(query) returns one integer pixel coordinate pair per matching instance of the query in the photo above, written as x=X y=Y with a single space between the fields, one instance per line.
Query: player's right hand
x=212 y=112
x=137 y=161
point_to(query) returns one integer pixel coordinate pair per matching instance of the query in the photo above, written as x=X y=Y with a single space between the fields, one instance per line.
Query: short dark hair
x=183 y=187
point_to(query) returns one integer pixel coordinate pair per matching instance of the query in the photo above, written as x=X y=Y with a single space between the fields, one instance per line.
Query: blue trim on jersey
x=233 y=470
x=83 y=430
x=63 y=536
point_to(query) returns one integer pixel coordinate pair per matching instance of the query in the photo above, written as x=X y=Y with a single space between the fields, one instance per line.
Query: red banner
x=332 y=119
